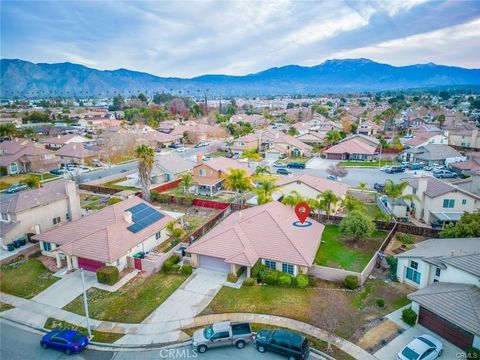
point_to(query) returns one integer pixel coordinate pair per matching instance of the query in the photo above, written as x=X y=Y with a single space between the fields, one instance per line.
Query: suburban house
x=432 y=154
x=157 y=139
x=423 y=138
x=21 y=155
x=169 y=167
x=77 y=153
x=246 y=142
x=451 y=311
x=465 y=168
x=98 y=123
x=310 y=186
x=301 y=127
x=208 y=176
x=312 y=138
x=107 y=237
x=351 y=149
x=368 y=128
x=275 y=143
x=57 y=142
x=439 y=201
x=38 y=210
x=265 y=234
x=465 y=138
x=255 y=120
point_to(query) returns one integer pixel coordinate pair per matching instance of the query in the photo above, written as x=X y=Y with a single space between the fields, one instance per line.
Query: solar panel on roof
x=143 y=216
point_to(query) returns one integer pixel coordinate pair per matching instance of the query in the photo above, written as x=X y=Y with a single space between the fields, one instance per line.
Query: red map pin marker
x=303 y=211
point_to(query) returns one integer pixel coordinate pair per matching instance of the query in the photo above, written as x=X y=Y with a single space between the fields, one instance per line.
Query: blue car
x=16 y=188
x=66 y=340
x=282 y=171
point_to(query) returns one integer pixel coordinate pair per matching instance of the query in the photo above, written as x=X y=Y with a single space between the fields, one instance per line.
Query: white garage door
x=213 y=263
x=272 y=156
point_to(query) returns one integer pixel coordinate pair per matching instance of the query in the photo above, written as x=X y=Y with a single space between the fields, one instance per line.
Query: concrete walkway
x=34 y=314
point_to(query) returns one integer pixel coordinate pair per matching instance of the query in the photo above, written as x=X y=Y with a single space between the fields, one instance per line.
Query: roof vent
x=127 y=215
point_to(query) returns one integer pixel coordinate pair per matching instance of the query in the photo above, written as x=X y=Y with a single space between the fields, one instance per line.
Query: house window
x=287 y=268
x=158 y=235
x=13 y=168
x=448 y=203
x=47 y=246
x=414 y=265
x=271 y=264
x=413 y=275
x=414 y=191
x=464 y=202
x=4 y=217
x=202 y=172
x=67 y=216
x=438 y=271
x=56 y=220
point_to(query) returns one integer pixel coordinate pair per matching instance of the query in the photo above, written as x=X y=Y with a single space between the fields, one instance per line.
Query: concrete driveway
x=390 y=351
x=191 y=298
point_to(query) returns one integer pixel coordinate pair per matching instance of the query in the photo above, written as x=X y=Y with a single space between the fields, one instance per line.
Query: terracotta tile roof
x=64 y=139
x=102 y=236
x=264 y=231
x=316 y=182
x=422 y=137
x=223 y=164
x=351 y=146
x=76 y=150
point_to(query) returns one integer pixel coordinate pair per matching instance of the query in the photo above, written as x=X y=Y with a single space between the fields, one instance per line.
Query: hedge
x=249 y=282
x=186 y=269
x=284 y=280
x=302 y=281
x=409 y=316
x=351 y=282
x=108 y=275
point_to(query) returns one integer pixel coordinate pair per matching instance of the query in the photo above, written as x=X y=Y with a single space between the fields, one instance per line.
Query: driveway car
x=57 y=172
x=425 y=347
x=174 y=146
x=445 y=174
x=395 y=169
x=181 y=149
x=16 y=188
x=222 y=334
x=332 y=177
x=282 y=171
x=279 y=164
x=66 y=340
x=378 y=187
x=296 y=165
x=285 y=342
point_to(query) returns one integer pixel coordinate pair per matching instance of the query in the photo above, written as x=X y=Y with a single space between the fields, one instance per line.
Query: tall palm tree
x=265 y=190
x=237 y=180
x=326 y=200
x=187 y=181
x=293 y=198
x=332 y=137
x=262 y=170
x=349 y=203
x=146 y=158
x=396 y=192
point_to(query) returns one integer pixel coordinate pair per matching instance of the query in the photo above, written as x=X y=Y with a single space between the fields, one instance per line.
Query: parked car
x=279 y=164
x=181 y=149
x=379 y=187
x=445 y=174
x=332 y=177
x=283 y=171
x=296 y=165
x=97 y=163
x=66 y=340
x=285 y=342
x=384 y=168
x=229 y=155
x=174 y=146
x=57 y=172
x=16 y=188
x=395 y=169
x=428 y=168
x=425 y=347
x=415 y=166
x=222 y=334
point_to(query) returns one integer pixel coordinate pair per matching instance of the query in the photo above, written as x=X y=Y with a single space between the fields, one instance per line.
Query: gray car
x=222 y=334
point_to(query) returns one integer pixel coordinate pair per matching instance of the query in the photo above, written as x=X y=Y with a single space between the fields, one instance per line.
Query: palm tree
x=186 y=180
x=293 y=198
x=170 y=227
x=326 y=200
x=349 y=203
x=332 y=137
x=265 y=191
x=396 y=192
x=362 y=185
x=146 y=158
x=262 y=170
x=237 y=180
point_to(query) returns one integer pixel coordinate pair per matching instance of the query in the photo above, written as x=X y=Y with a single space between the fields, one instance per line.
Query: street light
x=85 y=303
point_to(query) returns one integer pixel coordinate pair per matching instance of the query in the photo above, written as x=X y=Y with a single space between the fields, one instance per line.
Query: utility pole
x=85 y=303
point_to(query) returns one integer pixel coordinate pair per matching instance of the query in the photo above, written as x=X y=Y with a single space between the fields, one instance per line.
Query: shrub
x=405 y=238
x=3 y=171
x=249 y=282
x=380 y=303
x=113 y=200
x=167 y=266
x=284 y=280
x=108 y=275
x=258 y=270
x=356 y=225
x=231 y=277
x=187 y=269
x=174 y=259
x=302 y=281
x=351 y=282
x=392 y=263
x=175 y=268
x=270 y=277
x=409 y=316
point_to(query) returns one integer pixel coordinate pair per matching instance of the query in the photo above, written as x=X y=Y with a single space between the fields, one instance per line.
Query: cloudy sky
x=189 y=38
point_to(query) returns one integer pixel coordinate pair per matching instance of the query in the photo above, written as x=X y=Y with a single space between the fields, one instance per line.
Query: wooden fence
x=98 y=189
x=167 y=186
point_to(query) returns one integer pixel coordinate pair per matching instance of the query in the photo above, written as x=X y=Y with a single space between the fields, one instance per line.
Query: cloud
x=189 y=38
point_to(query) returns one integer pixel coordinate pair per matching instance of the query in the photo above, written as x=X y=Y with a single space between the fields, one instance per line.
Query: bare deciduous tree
x=337 y=170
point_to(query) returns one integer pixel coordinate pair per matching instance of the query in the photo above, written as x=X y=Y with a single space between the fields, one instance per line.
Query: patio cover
x=448 y=216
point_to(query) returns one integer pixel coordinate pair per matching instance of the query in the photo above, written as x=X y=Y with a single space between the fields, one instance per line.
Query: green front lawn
x=25 y=278
x=113 y=185
x=5 y=306
x=8 y=180
x=98 y=336
x=340 y=252
x=216 y=154
x=367 y=163
x=133 y=302
x=301 y=159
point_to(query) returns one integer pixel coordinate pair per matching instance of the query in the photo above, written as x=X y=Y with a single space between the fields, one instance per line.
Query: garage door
x=213 y=263
x=89 y=265
x=445 y=329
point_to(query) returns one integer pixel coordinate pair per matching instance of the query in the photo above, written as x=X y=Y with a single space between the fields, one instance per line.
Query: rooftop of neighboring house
x=157 y=136
x=78 y=151
x=252 y=119
x=369 y=124
x=466 y=165
x=463 y=132
x=64 y=139
x=105 y=235
x=223 y=164
x=312 y=135
x=172 y=163
x=13 y=150
x=457 y=303
x=351 y=146
x=435 y=187
x=435 y=152
x=316 y=182
x=422 y=137
x=264 y=231
x=248 y=138
x=280 y=137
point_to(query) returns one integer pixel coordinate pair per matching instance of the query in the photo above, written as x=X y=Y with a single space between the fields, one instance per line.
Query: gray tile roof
x=471 y=263
x=173 y=164
x=437 y=152
x=435 y=187
x=458 y=303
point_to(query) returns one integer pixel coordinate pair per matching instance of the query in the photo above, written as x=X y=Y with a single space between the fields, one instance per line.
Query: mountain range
x=26 y=79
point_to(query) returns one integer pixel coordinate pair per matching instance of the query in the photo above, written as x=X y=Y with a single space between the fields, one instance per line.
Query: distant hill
x=23 y=78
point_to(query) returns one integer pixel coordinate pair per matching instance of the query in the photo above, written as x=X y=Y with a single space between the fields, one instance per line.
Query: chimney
x=199 y=158
x=73 y=199
x=422 y=185
x=127 y=215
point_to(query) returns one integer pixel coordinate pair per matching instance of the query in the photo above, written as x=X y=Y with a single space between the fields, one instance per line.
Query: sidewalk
x=34 y=314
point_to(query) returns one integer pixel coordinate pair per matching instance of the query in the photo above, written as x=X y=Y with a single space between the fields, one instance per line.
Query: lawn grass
x=5 y=306
x=8 y=180
x=222 y=196
x=367 y=163
x=25 y=278
x=133 y=302
x=113 y=185
x=291 y=159
x=216 y=154
x=335 y=250
x=98 y=336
